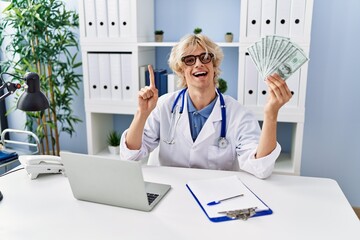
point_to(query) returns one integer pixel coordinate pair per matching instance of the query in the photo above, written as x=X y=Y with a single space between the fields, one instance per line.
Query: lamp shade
x=32 y=99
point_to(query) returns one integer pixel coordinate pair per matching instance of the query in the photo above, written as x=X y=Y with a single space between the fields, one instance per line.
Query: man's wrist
x=270 y=116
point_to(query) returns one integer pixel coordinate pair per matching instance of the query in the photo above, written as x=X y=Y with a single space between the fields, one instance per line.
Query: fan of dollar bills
x=276 y=54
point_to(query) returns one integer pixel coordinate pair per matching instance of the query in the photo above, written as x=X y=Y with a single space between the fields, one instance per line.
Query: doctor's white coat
x=242 y=133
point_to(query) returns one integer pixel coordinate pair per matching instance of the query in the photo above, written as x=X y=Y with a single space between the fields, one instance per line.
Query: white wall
x=332 y=134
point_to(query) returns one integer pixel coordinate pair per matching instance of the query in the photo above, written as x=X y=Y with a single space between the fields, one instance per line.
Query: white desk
x=304 y=208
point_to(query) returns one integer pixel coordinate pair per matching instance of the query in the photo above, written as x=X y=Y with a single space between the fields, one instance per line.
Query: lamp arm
x=11 y=88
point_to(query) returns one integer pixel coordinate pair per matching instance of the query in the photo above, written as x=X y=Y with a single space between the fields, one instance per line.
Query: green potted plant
x=222 y=85
x=159 y=35
x=113 y=140
x=40 y=36
x=229 y=37
x=197 y=30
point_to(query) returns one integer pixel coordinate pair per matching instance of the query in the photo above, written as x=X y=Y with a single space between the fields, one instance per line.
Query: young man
x=198 y=126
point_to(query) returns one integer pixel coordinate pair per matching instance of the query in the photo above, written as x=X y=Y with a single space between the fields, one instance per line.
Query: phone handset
x=42 y=159
x=39 y=164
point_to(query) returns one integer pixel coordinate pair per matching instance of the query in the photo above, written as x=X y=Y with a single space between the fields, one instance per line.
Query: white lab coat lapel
x=183 y=128
x=209 y=129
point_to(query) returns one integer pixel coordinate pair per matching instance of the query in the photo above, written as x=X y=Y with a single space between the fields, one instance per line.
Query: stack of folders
x=161 y=80
x=7 y=156
x=220 y=197
x=277 y=54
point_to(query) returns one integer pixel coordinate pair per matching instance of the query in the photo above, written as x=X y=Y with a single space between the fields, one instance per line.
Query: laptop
x=111 y=181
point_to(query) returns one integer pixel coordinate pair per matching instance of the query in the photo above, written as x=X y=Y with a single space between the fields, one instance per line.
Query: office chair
x=29 y=144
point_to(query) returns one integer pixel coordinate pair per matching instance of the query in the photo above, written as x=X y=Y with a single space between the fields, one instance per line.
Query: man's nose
x=198 y=62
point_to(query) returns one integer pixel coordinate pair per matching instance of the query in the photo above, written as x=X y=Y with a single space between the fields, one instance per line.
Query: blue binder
x=248 y=205
x=161 y=81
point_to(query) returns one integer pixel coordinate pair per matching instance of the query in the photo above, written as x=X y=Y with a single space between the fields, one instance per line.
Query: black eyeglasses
x=191 y=59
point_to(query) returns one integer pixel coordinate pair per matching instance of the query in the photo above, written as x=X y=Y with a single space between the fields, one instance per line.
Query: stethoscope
x=176 y=112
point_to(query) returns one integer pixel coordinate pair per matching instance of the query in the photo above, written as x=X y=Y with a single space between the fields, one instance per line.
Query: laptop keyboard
x=151 y=197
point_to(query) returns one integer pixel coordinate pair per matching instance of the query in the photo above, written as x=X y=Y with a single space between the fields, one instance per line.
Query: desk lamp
x=32 y=99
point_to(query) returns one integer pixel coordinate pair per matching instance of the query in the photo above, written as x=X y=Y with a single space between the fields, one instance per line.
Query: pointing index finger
x=151 y=75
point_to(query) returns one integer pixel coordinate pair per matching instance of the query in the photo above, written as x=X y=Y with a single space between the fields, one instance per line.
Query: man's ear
x=183 y=80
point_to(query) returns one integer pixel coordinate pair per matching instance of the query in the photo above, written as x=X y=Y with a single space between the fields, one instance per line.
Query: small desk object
x=7 y=157
x=303 y=208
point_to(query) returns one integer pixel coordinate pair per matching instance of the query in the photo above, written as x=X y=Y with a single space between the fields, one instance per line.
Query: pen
x=219 y=201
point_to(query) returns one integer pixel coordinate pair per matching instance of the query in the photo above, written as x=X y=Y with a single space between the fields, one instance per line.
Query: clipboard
x=242 y=207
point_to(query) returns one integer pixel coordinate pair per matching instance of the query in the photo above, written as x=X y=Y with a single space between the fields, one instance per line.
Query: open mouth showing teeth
x=200 y=74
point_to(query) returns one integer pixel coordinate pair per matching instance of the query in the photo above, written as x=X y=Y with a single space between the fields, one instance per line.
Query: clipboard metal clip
x=242 y=214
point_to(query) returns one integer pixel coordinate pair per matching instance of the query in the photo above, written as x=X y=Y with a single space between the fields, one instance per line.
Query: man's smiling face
x=199 y=75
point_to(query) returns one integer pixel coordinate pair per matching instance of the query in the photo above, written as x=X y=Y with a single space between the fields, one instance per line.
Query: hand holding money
x=276 y=54
x=279 y=94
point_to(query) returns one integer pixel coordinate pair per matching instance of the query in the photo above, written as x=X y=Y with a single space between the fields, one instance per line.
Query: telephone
x=39 y=164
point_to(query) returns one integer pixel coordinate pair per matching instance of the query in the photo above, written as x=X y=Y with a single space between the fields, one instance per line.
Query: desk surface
x=304 y=208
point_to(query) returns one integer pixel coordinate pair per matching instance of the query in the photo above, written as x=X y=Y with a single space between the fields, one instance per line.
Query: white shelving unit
x=117 y=29
x=289 y=18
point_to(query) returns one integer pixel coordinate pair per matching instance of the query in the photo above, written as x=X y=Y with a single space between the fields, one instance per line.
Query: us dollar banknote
x=277 y=54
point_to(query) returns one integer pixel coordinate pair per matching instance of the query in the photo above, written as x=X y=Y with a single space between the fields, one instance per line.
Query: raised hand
x=148 y=96
x=279 y=93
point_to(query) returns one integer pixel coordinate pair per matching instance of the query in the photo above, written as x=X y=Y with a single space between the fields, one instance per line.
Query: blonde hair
x=191 y=43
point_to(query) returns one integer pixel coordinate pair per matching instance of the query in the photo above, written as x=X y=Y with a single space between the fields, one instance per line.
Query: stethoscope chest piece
x=222 y=142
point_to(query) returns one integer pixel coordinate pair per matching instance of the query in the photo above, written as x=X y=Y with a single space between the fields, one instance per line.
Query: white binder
x=172 y=82
x=94 y=80
x=282 y=25
x=298 y=8
x=251 y=81
x=115 y=75
x=293 y=83
x=127 y=86
x=101 y=18
x=125 y=18
x=113 y=18
x=253 y=19
x=105 y=80
x=90 y=21
x=268 y=17
x=142 y=71
x=262 y=92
